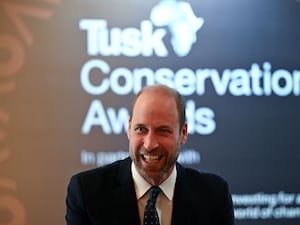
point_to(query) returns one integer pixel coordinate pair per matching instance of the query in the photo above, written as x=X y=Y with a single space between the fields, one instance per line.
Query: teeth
x=151 y=157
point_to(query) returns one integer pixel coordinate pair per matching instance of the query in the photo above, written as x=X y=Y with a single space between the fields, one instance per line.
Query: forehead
x=155 y=106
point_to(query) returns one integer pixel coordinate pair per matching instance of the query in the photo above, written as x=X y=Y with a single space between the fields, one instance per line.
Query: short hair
x=179 y=100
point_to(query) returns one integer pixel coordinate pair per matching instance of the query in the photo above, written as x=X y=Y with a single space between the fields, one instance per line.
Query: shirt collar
x=142 y=186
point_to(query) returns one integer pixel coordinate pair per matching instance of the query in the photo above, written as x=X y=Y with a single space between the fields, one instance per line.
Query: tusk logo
x=181 y=21
x=147 y=41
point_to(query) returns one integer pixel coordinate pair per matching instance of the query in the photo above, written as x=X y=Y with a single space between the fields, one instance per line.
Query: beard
x=156 y=173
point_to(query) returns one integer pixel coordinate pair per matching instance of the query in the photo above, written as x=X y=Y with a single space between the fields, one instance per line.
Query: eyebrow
x=165 y=126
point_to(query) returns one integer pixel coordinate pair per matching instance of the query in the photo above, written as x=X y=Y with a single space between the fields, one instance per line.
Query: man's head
x=156 y=131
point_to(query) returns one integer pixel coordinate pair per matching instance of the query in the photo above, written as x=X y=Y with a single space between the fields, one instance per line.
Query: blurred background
x=69 y=71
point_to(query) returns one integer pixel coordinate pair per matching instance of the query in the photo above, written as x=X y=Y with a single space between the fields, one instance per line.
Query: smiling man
x=119 y=193
x=156 y=131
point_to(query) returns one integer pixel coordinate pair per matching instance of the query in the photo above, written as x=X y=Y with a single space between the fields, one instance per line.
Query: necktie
x=150 y=214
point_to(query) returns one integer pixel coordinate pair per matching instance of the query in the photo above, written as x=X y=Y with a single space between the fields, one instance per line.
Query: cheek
x=134 y=141
x=170 y=145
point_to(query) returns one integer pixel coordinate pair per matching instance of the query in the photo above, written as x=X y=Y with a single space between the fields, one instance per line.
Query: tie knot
x=153 y=193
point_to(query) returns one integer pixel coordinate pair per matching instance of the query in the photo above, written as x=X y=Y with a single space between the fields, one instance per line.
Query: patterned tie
x=150 y=214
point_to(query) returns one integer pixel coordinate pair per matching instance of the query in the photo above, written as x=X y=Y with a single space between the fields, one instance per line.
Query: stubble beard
x=159 y=178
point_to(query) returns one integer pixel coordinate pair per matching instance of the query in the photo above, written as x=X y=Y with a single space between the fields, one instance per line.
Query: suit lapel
x=181 y=213
x=124 y=194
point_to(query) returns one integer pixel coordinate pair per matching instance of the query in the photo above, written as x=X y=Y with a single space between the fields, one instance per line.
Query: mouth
x=151 y=158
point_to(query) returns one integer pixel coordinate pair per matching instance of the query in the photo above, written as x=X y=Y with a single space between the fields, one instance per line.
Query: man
x=117 y=193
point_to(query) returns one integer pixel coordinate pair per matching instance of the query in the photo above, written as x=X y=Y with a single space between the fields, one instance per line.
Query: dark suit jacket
x=106 y=196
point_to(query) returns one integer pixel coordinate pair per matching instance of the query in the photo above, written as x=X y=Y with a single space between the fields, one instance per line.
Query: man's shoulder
x=201 y=178
x=103 y=173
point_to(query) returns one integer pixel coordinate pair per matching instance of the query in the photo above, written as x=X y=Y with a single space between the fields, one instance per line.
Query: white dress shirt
x=164 y=202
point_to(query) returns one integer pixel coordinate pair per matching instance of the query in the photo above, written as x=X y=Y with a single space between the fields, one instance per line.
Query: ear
x=128 y=128
x=184 y=134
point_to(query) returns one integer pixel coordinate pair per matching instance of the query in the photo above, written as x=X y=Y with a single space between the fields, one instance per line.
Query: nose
x=150 y=141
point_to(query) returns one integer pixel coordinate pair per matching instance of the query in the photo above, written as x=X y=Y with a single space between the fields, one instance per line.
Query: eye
x=140 y=130
x=164 y=130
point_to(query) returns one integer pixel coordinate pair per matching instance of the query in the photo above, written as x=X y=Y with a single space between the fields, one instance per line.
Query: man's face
x=154 y=136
